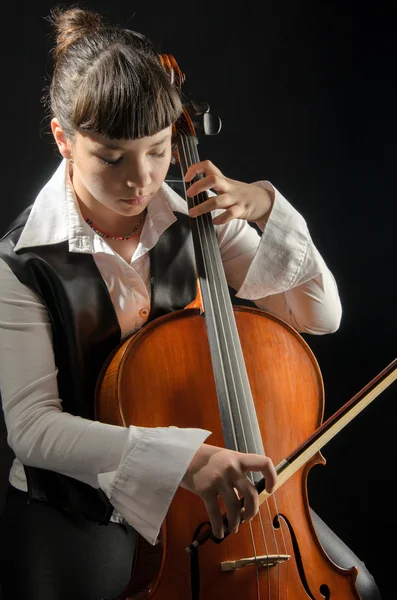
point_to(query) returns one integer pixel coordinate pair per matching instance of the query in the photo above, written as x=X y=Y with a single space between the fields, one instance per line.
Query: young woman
x=77 y=270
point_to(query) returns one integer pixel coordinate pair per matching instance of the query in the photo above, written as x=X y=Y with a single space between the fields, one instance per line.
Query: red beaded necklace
x=109 y=236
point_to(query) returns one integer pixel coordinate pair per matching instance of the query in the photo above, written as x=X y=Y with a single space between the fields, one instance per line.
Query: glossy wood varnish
x=162 y=376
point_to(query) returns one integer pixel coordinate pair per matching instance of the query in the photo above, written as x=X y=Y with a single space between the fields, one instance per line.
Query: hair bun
x=72 y=24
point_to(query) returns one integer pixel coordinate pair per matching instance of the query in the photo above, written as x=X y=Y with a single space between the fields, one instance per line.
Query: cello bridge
x=268 y=560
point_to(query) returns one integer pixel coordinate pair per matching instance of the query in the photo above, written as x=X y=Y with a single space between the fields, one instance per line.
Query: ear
x=64 y=145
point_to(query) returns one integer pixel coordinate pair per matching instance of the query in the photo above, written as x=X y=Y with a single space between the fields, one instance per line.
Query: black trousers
x=48 y=555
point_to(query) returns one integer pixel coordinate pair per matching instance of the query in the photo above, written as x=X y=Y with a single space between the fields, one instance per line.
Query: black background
x=307 y=96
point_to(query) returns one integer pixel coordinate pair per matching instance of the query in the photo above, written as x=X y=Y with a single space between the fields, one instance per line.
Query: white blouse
x=138 y=468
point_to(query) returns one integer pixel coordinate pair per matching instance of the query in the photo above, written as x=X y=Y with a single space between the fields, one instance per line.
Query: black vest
x=86 y=331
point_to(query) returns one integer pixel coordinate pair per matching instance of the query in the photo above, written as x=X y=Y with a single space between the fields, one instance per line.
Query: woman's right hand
x=216 y=472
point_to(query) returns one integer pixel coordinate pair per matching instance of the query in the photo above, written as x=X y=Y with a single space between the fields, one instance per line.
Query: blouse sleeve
x=281 y=271
x=138 y=468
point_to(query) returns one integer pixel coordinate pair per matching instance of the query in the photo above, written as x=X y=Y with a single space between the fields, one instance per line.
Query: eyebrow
x=115 y=147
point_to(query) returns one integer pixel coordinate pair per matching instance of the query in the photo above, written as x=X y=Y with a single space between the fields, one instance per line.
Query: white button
x=143 y=312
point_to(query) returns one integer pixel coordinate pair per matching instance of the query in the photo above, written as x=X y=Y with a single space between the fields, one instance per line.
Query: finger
x=213 y=203
x=210 y=182
x=234 y=212
x=215 y=515
x=270 y=475
x=233 y=507
x=262 y=464
x=203 y=167
x=249 y=493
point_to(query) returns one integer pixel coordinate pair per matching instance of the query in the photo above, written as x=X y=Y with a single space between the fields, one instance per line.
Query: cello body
x=162 y=376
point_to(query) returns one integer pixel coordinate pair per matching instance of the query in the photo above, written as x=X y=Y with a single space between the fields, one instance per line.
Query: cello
x=248 y=376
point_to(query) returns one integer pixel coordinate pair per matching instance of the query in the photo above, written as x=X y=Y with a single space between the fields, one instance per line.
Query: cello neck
x=239 y=421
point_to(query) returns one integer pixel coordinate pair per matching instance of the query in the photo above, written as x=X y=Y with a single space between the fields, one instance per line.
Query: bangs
x=124 y=99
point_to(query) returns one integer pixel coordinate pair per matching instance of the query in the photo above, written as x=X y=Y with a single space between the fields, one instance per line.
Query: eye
x=159 y=154
x=110 y=163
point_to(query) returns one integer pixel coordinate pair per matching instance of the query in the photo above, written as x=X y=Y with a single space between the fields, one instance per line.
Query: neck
x=103 y=218
x=135 y=232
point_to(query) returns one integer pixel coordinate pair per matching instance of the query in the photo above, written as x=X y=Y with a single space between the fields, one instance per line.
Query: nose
x=139 y=176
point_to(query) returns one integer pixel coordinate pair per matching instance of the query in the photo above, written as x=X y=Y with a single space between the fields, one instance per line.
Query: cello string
x=215 y=252
x=212 y=298
x=202 y=235
x=186 y=153
x=209 y=242
x=191 y=151
x=198 y=231
x=188 y=161
x=256 y=564
x=217 y=271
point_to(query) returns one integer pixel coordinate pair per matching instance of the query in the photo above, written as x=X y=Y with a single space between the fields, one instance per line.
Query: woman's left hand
x=238 y=200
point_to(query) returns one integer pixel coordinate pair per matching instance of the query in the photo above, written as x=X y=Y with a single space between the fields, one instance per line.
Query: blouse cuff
x=153 y=465
x=285 y=248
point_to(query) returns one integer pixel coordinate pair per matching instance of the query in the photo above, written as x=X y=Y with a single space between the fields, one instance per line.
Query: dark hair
x=108 y=79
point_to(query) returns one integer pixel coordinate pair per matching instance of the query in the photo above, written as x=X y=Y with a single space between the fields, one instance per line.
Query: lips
x=135 y=201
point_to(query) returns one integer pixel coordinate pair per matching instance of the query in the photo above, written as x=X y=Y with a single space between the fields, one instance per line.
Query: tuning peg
x=203 y=121
x=196 y=108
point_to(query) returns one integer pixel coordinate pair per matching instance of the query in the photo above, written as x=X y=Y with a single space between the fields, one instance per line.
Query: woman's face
x=121 y=175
